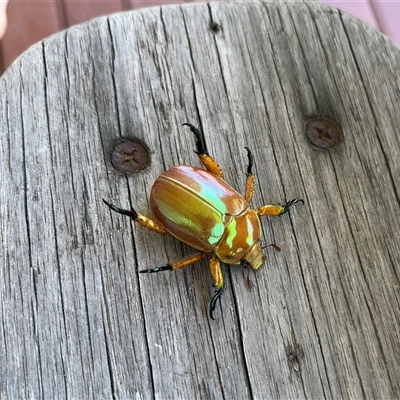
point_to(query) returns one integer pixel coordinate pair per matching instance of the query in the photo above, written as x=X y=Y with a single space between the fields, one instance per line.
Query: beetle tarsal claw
x=250 y=158
x=214 y=300
x=201 y=147
x=129 y=213
x=290 y=203
x=167 y=267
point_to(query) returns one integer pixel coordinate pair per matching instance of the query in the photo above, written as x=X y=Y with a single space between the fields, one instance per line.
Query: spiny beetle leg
x=176 y=265
x=201 y=150
x=139 y=218
x=216 y=272
x=218 y=280
x=214 y=300
x=277 y=209
x=249 y=189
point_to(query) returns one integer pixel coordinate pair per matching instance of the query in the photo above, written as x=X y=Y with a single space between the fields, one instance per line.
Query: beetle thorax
x=241 y=235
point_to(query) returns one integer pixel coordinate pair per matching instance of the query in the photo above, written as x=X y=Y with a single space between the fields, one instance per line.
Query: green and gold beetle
x=199 y=208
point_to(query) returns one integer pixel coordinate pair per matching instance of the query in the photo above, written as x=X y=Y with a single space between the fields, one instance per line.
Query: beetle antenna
x=201 y=147
x=214 y=300
x=275 y=246
x=249 y=282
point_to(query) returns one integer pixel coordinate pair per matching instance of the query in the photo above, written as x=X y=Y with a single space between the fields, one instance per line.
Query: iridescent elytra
x=198 y=207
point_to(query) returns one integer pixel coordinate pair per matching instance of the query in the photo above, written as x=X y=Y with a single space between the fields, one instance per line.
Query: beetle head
x=255 y=257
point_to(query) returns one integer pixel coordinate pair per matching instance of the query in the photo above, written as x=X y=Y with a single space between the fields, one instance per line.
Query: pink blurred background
x=30 y=21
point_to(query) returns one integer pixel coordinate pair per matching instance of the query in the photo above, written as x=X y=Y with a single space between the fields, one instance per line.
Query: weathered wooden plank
x=78 y=321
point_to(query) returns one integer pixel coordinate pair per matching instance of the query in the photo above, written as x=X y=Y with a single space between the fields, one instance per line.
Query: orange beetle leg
x=139 y=218
x=150 y=224
x=218 y=279
x=187 y=260
x=211 y=165
x=249 y=189
x=176 y=265
x=201 y=149
x=277 y=209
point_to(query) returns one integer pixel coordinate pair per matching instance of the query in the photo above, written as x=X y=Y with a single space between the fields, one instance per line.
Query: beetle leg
x=139 y=218
x=277 y=209
x=249 y=189
x=176 y=265
x=201 y=150
x=218 y=279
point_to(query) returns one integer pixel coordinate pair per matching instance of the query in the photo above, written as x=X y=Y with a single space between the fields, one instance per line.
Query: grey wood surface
x=322 y=321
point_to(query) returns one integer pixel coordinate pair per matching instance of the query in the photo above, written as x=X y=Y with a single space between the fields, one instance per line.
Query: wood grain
x=78 y=321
